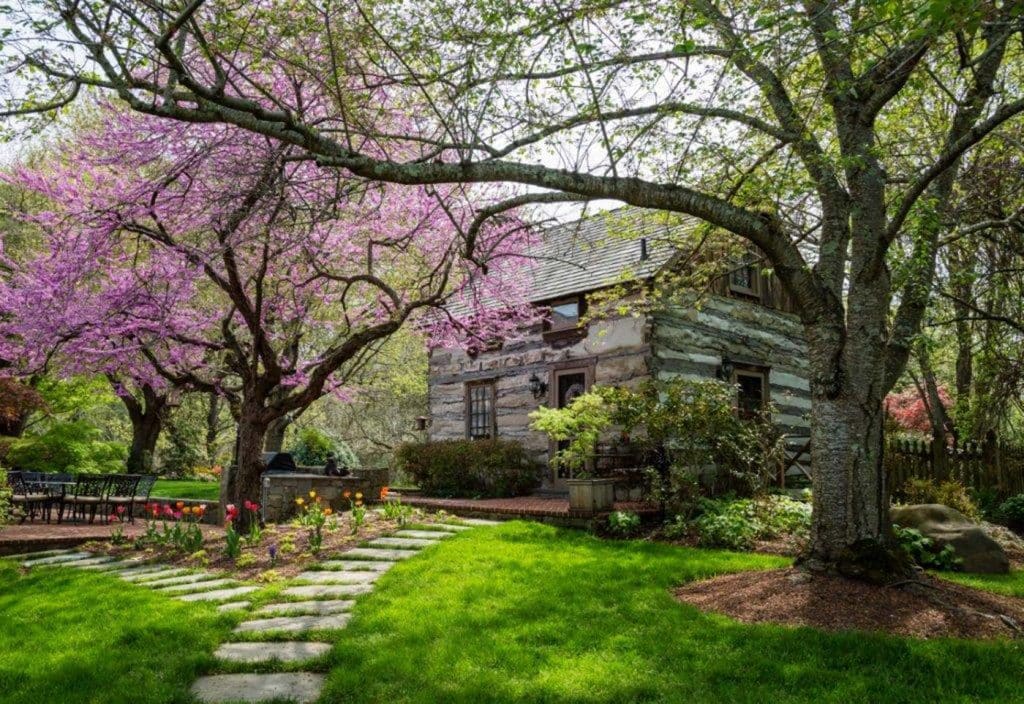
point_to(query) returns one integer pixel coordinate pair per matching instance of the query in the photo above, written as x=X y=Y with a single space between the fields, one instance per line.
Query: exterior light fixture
x=726 y=369
x=537 y=387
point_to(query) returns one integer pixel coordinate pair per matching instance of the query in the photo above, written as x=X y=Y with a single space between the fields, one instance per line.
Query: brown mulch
x=929 y=608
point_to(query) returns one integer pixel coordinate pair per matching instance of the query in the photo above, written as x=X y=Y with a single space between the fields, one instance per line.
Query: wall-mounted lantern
x=726 y=369
x=537 y=387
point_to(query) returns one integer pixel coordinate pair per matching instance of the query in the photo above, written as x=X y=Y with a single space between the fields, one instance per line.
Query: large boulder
x=947 y=526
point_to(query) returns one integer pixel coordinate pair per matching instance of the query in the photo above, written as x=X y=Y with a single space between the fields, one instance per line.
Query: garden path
x=288 y=630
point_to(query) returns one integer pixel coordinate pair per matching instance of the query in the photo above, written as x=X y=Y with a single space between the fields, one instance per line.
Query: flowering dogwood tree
x=208 y=257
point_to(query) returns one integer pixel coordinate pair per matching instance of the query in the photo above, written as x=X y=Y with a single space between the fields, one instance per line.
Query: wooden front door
x=566 y=384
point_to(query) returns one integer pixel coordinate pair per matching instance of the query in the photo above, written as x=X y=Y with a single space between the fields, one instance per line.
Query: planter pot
x=589 y=496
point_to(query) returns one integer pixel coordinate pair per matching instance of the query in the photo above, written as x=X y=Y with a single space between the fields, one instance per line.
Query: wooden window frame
x=552 y=330
x=756 y=288
x=753 y=370
x=491 y=386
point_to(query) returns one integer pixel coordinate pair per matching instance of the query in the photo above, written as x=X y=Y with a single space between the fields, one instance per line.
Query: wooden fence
x=988 y=465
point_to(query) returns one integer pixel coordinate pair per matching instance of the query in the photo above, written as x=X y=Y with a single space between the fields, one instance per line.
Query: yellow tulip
x=299 y=501
x=312 y=494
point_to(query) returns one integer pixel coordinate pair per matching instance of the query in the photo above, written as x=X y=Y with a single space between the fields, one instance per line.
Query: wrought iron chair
x=121 y=490
x=88 y=494
x=29 y=496
x=142 y=492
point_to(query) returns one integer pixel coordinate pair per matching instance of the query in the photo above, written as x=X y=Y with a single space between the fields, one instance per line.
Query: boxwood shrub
x=469 y=468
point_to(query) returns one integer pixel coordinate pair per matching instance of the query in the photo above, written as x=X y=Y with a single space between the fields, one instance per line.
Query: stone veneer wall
x=280 y=490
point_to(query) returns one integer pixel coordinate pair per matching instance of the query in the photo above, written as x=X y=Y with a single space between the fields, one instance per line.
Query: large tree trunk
x=275 y=434
x=242 y=481
x=147 y=417
x=851 y=533
x=212 y=428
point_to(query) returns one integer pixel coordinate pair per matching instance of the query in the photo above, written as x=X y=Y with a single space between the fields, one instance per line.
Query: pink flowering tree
x=910 y=409
x=213 y=259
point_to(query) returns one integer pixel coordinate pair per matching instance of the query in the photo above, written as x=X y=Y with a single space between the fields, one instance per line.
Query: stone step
x=294 y=624
x=444 y=527
x=196 y=586
x=308 y=608
x=147 y=574
x=115 y=567
x=478 y=522
x=433 y=535
x=217 y=594
x=57 y=559
x=358 y=565
x=315 y=591
x=401 y=543
x=91 y=562
x=299 y=687
x=179 y=579
x=38 y=554
x=284 y=651
x=233 y=605
x=378 y=554
x=338 y=577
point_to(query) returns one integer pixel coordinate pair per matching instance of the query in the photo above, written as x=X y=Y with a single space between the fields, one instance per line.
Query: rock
x=947 y=526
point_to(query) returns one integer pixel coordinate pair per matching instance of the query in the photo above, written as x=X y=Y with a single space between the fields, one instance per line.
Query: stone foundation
x=280 y=491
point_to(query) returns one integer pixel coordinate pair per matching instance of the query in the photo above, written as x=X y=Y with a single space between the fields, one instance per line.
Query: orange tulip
x=384 y=492
x=180 y=505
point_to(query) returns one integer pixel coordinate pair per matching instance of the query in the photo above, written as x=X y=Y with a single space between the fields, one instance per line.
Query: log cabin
x=742 y=330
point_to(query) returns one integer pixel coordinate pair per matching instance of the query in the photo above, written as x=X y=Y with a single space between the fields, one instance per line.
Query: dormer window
x=744 y=280
x=565 y=314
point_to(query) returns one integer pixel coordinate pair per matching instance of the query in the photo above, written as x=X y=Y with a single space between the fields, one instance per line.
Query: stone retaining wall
x=280 y=490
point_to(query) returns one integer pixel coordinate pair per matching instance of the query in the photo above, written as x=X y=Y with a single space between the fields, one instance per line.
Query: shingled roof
x=602 y=250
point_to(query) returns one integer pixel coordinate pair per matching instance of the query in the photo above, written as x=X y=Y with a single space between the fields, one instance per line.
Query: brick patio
x=546 y=509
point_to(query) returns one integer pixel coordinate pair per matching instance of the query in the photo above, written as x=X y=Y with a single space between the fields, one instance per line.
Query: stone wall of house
x=279 y=491
x=618 y=348
x=689 y=340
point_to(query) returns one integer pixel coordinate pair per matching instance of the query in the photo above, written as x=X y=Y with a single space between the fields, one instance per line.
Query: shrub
x=949 y=493
x=922 y=550
x=1011 y=512
x=5 y=497
x=736 y=524
x=623 y=523
x=469 y=468
x=73 y=446
x=313 y=447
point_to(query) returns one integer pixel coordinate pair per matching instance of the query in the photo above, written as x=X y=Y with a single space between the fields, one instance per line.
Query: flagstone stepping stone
x=180 y=579
x=358 y=565
x=294 y=624
x=315 y=591
x=379 y=554
x=400 y=543
x=41 y=553
x=433 y=535
x=57 y=559
x=91 y=562
x=114 y=566
x=285 y=651
x=196 y=586
x=300 y=687
x=339 y=577
x=233 y=606
x=449 y=527
x=311 y=608
x=217 y=594
x=478 y=522
x=145 y=573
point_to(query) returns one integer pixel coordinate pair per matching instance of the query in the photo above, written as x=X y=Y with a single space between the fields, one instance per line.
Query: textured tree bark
x=212 y=428
x=147 y=418
x=275 y=434
x=241 y=482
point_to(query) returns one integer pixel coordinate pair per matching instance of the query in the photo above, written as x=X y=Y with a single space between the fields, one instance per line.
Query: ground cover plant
x=75 y=637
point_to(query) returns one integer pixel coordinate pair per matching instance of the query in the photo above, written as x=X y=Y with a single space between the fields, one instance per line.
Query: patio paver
x=306 y=608
x=315 y=591
x=300 y=687
x=284 y=651
x=294 y=624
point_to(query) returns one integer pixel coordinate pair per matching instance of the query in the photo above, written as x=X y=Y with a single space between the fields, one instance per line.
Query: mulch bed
x=930 y=608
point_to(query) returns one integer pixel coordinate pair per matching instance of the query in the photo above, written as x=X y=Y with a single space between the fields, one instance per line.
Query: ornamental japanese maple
x=212 y=258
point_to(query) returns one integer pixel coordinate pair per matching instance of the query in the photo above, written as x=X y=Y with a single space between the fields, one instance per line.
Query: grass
x=185 y=489
x=1008 y=584
x=530 y=613
x=79 y=637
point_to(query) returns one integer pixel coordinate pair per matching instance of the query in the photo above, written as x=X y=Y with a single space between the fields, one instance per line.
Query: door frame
x=585 y=366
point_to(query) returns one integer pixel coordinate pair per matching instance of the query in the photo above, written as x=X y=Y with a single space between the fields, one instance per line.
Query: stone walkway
x=318 y=600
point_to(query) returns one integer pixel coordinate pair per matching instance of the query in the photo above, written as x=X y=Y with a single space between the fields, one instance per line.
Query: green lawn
x=70 y=636
x=1008 y=584
x=517 y=613
x=529 y=613
x=185 y=489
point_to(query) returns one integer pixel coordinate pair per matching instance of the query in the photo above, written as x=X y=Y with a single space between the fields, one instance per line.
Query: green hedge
x=469 y=468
